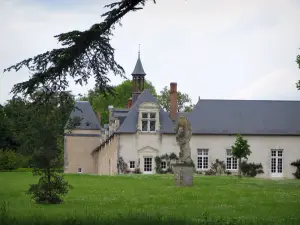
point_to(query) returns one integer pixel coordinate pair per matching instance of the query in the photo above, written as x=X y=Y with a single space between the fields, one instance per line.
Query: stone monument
x=183 y=169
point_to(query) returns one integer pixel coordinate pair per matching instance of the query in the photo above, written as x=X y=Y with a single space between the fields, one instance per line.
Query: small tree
x=240 y=149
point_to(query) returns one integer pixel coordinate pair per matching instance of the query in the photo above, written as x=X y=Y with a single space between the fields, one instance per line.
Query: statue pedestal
x=183 y=175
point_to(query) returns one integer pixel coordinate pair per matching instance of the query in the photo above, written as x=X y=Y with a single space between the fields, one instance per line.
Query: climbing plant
x=297 y=165
x=169 y=159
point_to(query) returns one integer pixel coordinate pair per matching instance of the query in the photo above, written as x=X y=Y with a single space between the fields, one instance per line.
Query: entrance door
x=148 y=165
x=276 y=163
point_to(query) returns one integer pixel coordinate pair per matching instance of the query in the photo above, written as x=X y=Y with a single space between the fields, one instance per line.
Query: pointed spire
x=138 y=69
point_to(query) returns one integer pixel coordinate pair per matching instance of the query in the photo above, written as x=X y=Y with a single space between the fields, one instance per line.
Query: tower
x=138 y=79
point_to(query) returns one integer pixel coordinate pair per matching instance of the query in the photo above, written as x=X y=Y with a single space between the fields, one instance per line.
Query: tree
x=240 y=149
x=119 y=99
x=84 y=54
x=45 y=134
x=184 y=101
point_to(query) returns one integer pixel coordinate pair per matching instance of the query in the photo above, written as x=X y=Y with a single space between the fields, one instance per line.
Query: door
x=276 y=163
x=148 y=165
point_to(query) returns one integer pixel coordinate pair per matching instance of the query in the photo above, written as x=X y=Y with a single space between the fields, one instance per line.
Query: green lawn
x=103 y=196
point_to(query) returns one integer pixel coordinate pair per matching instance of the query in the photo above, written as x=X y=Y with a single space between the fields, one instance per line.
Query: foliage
x=50 y=188
x=183 y=100
x=119 y=99
x=158 y=191
x=169 y=159
x=7 y=140
x=297 y=165
x=137 y=171
x=240 y=150
x=218 y=167
x=83 y=54
x=122 y=165
x=44 y=138
x=8 y=160
x=251 y=169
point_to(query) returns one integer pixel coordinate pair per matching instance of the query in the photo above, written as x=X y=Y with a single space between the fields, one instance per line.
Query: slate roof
x=138 y=69
x=83 y=109
x=121 y=114
x=130 y=123
x=252 y=117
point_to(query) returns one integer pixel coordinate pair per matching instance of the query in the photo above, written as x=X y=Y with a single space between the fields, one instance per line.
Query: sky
x=213 y=49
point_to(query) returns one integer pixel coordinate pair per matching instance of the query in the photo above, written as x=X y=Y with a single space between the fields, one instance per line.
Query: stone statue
x=183 y=131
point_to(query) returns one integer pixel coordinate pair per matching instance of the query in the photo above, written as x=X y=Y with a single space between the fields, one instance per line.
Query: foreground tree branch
x=84 y=54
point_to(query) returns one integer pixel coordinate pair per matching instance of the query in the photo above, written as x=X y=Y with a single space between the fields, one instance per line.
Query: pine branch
x=84 y=54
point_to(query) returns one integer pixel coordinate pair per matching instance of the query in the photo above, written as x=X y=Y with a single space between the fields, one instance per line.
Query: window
x=202 y=159
x=148 y=122
x=79 y=170
x=231 y=162
x=163 y=165
x=276 y=161
x=132 y=164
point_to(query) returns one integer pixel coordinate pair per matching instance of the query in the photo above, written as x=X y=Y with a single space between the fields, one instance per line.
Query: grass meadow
x=153 y=199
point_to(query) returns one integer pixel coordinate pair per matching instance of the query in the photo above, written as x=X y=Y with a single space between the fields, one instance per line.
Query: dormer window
x=148 y=118
x=148 y=121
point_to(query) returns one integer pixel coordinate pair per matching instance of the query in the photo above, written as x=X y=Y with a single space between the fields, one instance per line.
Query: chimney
x=173 y=100
x=129 y=104
x=99 y=116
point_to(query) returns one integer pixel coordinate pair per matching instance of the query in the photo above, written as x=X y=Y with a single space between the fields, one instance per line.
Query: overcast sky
x=216 y=49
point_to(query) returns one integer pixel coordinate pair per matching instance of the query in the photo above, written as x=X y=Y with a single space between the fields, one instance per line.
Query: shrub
x=169 y=159
x=23 y=161
x=218 y=167
x=137 y=171
x=297 y=165
x=49 y=189
x=251 y=169
x=210 y=172
x=122 y=165
x=8 y=160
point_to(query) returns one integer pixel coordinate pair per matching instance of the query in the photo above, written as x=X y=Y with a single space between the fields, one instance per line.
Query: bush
x=8 y=160
x=137 y=171
x=23 y=161
x=49 y=189
x=218 y=167
x=297 y=165
x=251 y=169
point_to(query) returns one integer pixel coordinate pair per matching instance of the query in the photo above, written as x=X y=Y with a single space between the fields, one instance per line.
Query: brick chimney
x=173 y=100
x=129 y=104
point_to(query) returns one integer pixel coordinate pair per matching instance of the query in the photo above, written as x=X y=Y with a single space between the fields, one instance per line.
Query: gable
x=147 y=149
x=146 y=99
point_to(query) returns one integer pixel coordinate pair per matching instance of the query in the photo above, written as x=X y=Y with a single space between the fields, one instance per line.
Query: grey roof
x=129 y=124
x=138 y=69
x=84 y=110
x=253 y=117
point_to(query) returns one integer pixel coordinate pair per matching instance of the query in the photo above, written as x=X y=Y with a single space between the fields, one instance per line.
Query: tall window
x=276 y=161
x=202 y=159
x=231 y=162
x=148 y=121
